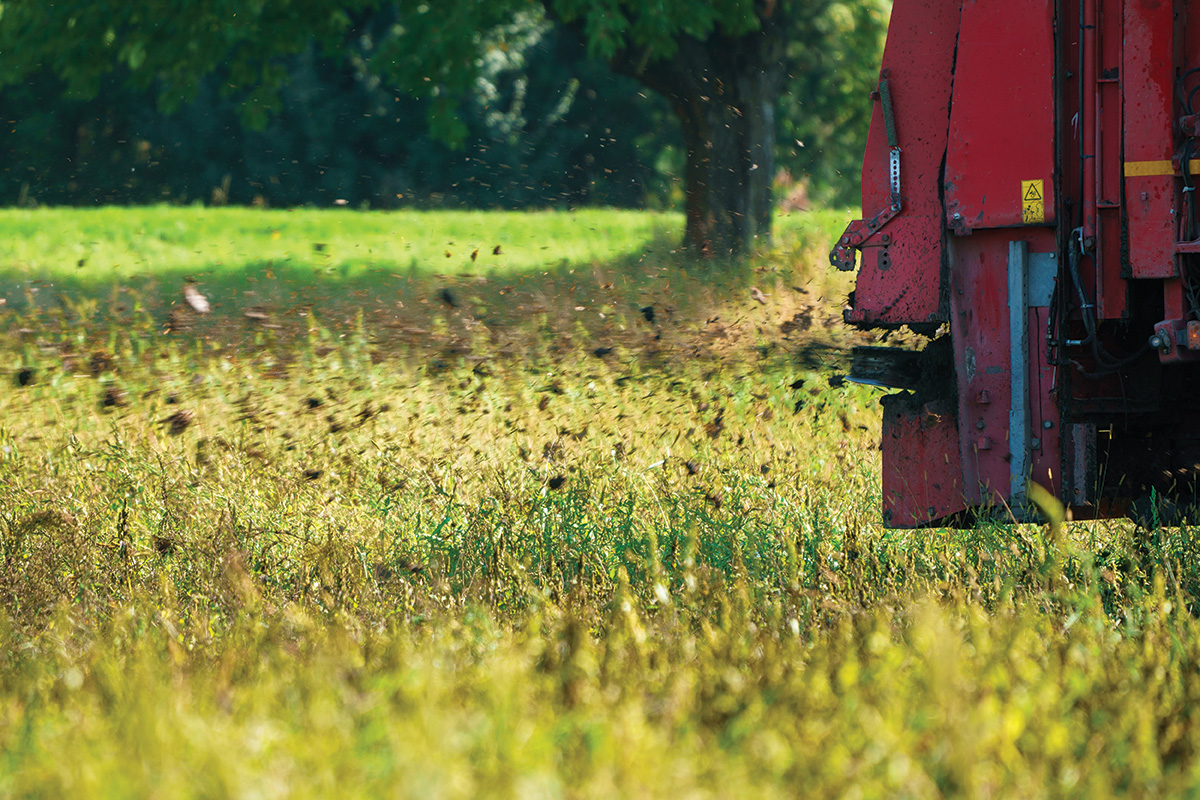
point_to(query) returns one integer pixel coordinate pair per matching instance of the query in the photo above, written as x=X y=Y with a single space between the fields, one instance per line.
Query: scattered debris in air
x=197 y=301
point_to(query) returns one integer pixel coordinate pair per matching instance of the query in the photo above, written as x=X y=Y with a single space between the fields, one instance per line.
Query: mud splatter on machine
x=1029 y=203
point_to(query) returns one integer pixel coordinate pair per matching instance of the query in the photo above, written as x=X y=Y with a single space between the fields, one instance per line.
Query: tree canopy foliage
x=540 y=119
x=722 y=66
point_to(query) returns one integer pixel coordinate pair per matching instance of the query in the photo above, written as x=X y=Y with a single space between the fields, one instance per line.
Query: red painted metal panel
x=1108 y=96
x=1148 y=76
x=918 y=61
x=1111 y=289
x=1002 y=121
x=897 y=281
x=918 y=64
x=1084 y=125
x=1044 y=419
x=979 y=328
x=1105 y=66
x=922 y=476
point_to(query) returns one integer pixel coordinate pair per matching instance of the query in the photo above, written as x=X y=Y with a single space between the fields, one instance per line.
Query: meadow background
x=463 y=504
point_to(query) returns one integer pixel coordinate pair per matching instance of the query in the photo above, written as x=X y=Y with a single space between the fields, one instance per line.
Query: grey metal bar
x=1018 y=413
x=1039 y=282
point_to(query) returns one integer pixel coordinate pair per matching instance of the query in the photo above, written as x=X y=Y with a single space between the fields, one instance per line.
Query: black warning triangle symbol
x=1032 y=193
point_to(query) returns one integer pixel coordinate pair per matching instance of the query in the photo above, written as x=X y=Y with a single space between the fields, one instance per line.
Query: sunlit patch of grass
x=532 y=557
x=623 y=287
x=105 y=245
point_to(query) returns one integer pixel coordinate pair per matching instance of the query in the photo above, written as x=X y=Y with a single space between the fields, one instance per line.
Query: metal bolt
x=1047 y=424
x=957 y=215
x=981 y=425
x=1035 y=444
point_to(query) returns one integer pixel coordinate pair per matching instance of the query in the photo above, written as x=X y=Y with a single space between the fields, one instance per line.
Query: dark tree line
x=500 y=103
x=539 y=132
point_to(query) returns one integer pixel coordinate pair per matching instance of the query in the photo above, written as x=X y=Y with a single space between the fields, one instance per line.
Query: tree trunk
x=723 y=90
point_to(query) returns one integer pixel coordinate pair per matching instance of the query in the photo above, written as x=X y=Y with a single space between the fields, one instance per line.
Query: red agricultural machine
x=1029 y=203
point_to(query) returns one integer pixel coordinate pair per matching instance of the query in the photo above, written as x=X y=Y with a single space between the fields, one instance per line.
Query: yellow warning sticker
x=1033 y=202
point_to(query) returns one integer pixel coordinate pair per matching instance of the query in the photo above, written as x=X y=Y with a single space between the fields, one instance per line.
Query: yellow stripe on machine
x=1146 y=168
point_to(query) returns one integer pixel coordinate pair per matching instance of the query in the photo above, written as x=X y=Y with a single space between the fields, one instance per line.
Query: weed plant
x=519 y=553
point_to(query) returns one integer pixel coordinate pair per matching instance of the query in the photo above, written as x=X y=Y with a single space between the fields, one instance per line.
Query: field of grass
x=589 y=522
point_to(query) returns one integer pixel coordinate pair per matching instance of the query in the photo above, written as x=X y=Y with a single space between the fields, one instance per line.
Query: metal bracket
x=889 y=123
x=858 y=232
x=894 y=174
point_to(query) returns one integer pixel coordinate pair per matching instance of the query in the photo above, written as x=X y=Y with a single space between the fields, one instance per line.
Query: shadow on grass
x=656 y=303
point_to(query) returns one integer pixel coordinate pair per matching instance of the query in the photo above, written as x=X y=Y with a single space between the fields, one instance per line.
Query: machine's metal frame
x=1045 y=228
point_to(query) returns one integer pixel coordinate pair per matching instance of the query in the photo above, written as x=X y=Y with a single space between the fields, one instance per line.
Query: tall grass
x=516 y=554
